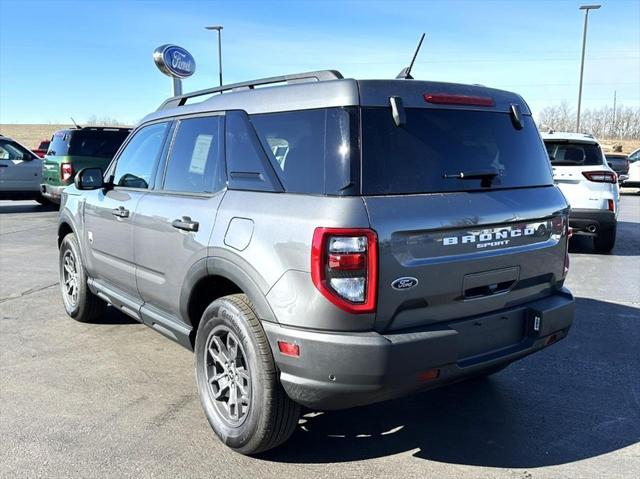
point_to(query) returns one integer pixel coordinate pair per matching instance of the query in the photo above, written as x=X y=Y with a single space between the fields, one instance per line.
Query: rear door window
x=564 y=153
x=416 y=157
x=196 y=162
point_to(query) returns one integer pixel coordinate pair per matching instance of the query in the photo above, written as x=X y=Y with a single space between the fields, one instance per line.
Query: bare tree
x=94 y=120
x=600 y=122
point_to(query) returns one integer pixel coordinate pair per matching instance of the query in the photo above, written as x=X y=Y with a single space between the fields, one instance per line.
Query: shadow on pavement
x=26 y=207
x=626 y=243
x=575 y=400
x=114 y=316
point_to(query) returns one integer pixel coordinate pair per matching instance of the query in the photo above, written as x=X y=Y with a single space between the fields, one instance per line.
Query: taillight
x=443 y=98
x=611 y=206
x=560 y=228
x=344 y=267
x=601 y=176
x=66 y=171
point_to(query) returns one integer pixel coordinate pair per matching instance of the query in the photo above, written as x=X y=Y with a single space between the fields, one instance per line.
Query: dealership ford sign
x=174 y=61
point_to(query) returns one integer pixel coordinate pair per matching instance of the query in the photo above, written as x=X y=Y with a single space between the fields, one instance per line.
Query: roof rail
x=321 y=75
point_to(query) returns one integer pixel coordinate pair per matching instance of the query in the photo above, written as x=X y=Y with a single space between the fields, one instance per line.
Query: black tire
x=270 y=417
x=605 y=241
x=86 y=307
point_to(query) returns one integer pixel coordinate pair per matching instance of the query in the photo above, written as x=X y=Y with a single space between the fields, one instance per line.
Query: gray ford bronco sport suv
x=325 y=242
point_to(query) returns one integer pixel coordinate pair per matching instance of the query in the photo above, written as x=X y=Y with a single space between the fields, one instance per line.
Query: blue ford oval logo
x=404 y=283
x=174 y=61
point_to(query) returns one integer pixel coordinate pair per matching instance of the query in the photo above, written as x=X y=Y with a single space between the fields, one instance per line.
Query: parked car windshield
x=565 y=153
x=100 y=143
x=10 y=150
x=433 y=143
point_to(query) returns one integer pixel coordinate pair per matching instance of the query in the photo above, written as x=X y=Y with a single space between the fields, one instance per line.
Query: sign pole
x=177 y=86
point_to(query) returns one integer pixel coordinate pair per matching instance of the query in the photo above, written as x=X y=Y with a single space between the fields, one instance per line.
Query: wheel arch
x=214 y=277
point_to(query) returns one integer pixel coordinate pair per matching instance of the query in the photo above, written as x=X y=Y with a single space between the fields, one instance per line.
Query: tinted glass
x=564 y=153
x=59 y=145
x=137 y=161
x=99 y=143
x=247 y=163
x=433 y=143
x=10 y=150
x=312 y=151
x=196 y=164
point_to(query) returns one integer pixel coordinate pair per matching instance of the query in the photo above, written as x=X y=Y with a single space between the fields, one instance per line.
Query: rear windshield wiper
x=488 y=174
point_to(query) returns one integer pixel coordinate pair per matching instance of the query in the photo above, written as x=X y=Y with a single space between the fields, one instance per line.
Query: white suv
x=588 y=183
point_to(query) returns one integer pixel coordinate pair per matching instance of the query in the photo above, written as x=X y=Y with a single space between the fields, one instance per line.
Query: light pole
x=218 y=28
x=586 y=9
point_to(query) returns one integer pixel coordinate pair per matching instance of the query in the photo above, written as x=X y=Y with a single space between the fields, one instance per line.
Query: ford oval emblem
x=174 y=61
x=404 y=283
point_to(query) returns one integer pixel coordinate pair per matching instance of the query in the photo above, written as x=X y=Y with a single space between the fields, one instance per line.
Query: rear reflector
x=611 y=205
x=444 y=99
x=551 y=339
x=429 y=375
x=289 y=349
x=347 y=261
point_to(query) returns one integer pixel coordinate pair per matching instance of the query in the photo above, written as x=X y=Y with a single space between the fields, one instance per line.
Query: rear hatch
x=453 y=246
x=570 y=161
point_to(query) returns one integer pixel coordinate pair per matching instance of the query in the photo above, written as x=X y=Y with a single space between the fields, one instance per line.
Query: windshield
x=10 y=150
x=564 y=153
x=100 y=143
x=416 y=157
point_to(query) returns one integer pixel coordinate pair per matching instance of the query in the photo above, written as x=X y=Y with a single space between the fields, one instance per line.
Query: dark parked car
x=618 y=162
x=74 y=149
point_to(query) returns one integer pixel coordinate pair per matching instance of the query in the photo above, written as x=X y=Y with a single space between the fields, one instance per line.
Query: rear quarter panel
x=278 y=249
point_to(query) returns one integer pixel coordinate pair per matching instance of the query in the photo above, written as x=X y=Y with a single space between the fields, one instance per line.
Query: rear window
x=97 y=143
x=59 y=145
x=565 y=153
x=438 y=142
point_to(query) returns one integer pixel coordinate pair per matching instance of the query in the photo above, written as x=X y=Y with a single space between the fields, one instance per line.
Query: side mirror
x=27 y=157
x=89 y=179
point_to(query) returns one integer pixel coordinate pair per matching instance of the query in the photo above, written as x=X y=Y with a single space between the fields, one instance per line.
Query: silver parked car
x=20 y=172
x=325 y=242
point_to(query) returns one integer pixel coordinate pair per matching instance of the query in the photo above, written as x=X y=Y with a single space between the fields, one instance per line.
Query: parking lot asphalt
x=116 y=399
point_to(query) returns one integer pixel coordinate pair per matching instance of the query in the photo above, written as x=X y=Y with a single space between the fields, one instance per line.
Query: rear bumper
x=342 y=370
x=631 y=184
x=583 y=220
x=52 y=193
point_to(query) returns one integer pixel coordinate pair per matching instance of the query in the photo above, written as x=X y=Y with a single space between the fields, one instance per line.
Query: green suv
x=73 y=149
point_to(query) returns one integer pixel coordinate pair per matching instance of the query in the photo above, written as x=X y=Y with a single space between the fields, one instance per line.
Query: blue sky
x=69 y=58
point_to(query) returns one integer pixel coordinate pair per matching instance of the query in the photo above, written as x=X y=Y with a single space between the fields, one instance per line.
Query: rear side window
x=97 y=143
x=196 y=162
x=312 y=151
x=436 y=142
x=138 y=159
x=59 y=145
x=564 y=153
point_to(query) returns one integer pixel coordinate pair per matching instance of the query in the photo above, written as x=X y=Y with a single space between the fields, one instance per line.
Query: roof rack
x=321 y=75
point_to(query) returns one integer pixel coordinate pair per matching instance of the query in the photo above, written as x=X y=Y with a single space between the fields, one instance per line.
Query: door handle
x=120 y=212
x=186 y=224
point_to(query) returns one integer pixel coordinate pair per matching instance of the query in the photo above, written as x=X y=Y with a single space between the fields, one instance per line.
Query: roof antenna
x=405 y=73
x=75 y=124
